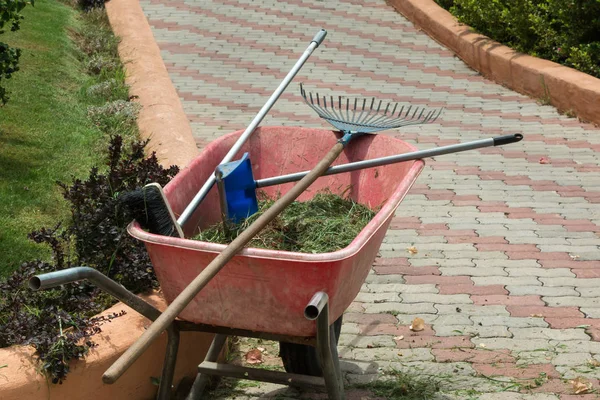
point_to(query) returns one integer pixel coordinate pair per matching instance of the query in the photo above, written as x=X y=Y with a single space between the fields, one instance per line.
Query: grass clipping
x=326 y=223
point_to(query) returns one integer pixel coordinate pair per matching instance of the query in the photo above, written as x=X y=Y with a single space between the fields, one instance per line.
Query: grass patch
x=325 y=223
x=45 y=133
x=404 y=386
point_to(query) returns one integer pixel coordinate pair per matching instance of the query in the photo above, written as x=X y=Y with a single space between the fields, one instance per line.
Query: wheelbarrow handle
x=376 y=162
x=191 y=208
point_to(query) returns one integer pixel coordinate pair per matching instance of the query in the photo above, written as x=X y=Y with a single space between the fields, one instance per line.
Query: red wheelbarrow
x=295 y=298
x=278 y=294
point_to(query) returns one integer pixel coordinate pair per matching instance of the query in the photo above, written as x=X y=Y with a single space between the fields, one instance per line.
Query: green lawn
x=45 y=135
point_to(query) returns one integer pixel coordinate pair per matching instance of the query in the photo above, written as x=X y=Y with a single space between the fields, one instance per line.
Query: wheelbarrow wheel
x=303 y=359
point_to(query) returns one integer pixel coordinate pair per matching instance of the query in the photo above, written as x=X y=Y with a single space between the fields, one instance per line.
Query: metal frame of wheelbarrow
x=317 y=309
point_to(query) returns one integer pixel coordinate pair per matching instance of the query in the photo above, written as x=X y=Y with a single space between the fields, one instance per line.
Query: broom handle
x=376 y=162
x=189 y=210
x=187 y=294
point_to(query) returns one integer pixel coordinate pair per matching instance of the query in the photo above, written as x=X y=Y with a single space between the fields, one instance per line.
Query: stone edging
x=163 y=121
x=566 y=89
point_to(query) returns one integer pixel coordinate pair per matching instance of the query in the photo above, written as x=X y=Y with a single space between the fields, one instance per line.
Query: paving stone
x=547 y=333
x=376 y=297
x=400 y=289
x=509 y=322
x=574 y=282
x=541 y=272
x=514 y=345
x=591 y=312
x=348 y=341
x=473 y=271
x=392 y=354
x=587 y=291
x=572 y=301
x=472 y=330
x=471 y=309
x=508 y=281
x=358 y=367
x=571 y=359
x=541 y=291
x=401 y=308
x=539 y=356
x=436 y=298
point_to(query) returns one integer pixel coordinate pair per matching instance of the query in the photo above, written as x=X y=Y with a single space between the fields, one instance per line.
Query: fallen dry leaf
x=544 y=160
x=398 y=337
x=417 y=325
x=537 y=316
x=482 y=345
x=412 y=250
x=580 y=385
x=254 y=356
x=594 y=363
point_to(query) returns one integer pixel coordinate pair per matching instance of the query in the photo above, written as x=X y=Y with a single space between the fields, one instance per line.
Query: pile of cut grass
x=326 y=223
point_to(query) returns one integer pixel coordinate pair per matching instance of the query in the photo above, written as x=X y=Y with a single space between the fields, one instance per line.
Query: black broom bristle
x=148 y=206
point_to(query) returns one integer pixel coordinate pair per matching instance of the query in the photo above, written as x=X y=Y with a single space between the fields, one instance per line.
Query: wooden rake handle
x=185 y=297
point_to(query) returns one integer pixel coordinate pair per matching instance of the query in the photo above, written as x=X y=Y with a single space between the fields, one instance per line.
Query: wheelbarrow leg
x=326 y=346
x=202 y=379
x=166 y=379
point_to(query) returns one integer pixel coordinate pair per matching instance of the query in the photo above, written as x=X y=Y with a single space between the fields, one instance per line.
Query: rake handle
x=185 y=297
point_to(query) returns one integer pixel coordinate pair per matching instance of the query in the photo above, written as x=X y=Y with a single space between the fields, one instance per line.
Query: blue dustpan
x=237 y=189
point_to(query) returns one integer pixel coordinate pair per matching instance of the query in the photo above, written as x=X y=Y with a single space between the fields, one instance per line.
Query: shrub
x=59 y=322
x=10 y=15
x=564 y=31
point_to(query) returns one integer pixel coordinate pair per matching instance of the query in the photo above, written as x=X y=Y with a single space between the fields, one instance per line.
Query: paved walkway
x=507 y=273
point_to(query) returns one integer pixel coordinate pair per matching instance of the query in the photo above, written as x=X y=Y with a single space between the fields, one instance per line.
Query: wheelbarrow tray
x=267 y=290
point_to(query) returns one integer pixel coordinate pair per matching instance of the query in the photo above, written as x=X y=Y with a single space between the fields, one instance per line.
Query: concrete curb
x=566 y=89
x=21 y=378
x=161 y=119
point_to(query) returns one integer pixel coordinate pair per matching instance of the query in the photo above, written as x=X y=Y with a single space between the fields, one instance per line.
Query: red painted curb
x=566 y=88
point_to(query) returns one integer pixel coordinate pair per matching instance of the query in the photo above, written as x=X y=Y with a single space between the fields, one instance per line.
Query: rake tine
x=368 y=121
x=339 y=109
x=330 y=111
x=363 y=120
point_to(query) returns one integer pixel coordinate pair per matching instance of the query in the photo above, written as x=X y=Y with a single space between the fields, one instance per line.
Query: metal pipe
x=315 y=306
x=168 y=371
x=326 y=345
x=202 y=378
x=189 y=210
x=57 y=278
x=263 y=375
x=415 y=155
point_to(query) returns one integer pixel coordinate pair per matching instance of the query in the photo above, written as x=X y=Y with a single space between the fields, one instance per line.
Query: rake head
x=366 y=115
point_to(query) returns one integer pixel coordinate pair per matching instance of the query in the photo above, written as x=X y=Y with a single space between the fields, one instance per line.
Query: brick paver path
x=507 y=273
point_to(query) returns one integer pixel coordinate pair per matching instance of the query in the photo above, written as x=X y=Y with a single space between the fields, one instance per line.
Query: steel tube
x=57 y=278
x=315 y=306
x=168 y=371
x=415 y=155
x=202 y=378
x=326 y=346
x=189 y=210
x=262 y=375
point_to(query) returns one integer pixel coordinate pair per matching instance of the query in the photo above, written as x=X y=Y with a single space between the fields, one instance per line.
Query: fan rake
x=366 y=115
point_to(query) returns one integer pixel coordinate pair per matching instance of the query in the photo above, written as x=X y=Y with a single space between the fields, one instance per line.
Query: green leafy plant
x=10 y=16
x=563 y=31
